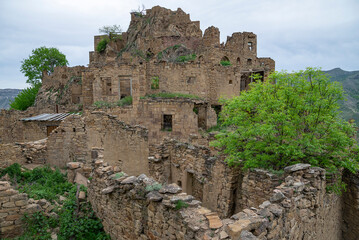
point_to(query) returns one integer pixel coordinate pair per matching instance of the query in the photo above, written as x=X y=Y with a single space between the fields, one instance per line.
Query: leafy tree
x=114 y=29
x=26 y=98
x=42 y=59
x=291 y=118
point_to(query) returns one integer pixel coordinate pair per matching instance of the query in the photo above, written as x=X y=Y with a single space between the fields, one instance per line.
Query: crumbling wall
x=124 y=146
x=13 y=130
x=139 y=208
x=197 y=170
x=10 y=154
x=61 y=91
x=351 y=206
x=256 y=186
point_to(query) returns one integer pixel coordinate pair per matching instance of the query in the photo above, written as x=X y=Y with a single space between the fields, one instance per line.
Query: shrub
x=26 y=98
x=289 y=119
x=103 y=104
x=76 y=221
x=154 y=187
x=181 y=204
x=225 y=63
x=101 y=46
x=125 y=101
x=155 y=83
x=186 y=58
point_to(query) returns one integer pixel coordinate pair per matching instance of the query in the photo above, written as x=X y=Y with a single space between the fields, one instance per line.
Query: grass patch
x=154 y=187
x=171 y=95
x=155 y=82
x=75 y=220
x=225 y=63
x=125 y=101
x=181 y=204
x=103 y=104
x=186 y=58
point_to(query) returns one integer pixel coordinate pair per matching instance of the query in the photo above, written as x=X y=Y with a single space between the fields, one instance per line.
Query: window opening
x=250 y=46
x=167 y=122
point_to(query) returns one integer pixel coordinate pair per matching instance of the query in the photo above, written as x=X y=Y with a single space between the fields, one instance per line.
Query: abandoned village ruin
x=159 y=140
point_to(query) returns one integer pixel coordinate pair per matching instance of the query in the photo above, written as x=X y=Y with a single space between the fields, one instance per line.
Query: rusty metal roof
x=48 y=117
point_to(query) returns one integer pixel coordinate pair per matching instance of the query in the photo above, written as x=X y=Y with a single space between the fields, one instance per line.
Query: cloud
x=296 y=33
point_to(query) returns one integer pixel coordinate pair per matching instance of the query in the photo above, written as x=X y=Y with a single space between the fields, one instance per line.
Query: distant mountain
x=350 y=81
x=6 y=95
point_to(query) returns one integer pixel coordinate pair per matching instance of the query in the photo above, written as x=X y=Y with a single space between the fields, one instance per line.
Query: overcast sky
x=295 y=33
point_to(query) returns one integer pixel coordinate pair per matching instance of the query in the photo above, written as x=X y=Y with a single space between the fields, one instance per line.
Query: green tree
x=42 y=59
x=114 y=29
x=291 y=118
x=26 y=98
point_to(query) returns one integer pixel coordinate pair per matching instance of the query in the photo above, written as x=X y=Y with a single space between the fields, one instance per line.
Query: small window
x=230 y=82
x=191 y=80
x=250 y=46
x=179 y=183
x=238 y=61
x=249 y=61
x=167 y=122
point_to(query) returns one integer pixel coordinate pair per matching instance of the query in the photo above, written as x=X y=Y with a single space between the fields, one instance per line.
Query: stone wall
x=256 y=186
x=10 y=154
x=124 y=146
x=13 y=130
x=351 y=206
x=198 y=170
x=139 y=208
x=13 y=205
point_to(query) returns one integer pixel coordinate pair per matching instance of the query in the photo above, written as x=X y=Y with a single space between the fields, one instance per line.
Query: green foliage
x=42 y=59
x=38 y=183
x=140 y=11
x=103 y=104
x=125 y=101
x=76 y=221
x=295 y=120
x=155 y=82
x=186 y=58
x=181 y=204
x=38 y=226
x=113 y=32
x=101 y=46
x=172 y=95
x=153 y=187
x=225 y=63
x=118 y=175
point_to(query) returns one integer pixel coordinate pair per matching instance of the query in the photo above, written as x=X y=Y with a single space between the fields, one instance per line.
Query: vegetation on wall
x=126 y=101
x=155 y=82
x=75 y=220
x=26 y=98
x=102 y=44
x=113 y=32
x=225 y=63
x=295 y=120
x=186 y=58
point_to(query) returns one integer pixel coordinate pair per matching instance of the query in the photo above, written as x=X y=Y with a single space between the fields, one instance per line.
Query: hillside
x=350 y=81
x=6 y=95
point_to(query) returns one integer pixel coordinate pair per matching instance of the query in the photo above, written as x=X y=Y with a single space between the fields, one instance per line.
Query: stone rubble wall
x=13 y=130
x=10 y=154
x=13 y=206
x=124 y=146
x=256 y=186
x=197 y=170
x=133 y=208
x=351 y=207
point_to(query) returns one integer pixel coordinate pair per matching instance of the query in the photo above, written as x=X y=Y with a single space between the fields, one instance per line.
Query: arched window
x=238 y=61
x=225 y=59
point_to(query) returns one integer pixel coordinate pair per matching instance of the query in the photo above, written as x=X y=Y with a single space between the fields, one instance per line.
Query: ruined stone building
x=142 y=107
